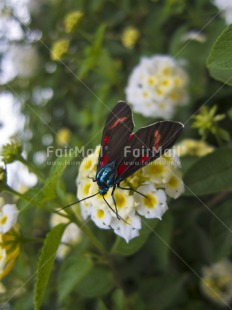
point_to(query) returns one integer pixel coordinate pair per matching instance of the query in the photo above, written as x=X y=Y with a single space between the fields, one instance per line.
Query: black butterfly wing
x=118 y=127
x=146 y=145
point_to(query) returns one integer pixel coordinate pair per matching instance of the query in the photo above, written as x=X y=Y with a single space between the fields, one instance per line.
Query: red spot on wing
x=118 y=121
x=105 y=140
x=104 y=160
x=121 y=169
x=143 y=159
x=157 y=139
x=131 y=136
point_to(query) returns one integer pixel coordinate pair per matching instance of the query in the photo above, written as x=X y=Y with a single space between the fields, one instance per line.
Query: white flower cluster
x=226 y=7
x=216 y=282
x=156 y=181
x=156 y=86
x=71 y=235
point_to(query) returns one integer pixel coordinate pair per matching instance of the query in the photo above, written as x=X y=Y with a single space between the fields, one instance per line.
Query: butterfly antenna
x=71 y=204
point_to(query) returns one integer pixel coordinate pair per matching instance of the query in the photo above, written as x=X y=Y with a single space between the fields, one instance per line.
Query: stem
x=220 y=197
x=95 y=242
x=31 y=168
x=31 y=239
x=115 y=273
x=23 y=196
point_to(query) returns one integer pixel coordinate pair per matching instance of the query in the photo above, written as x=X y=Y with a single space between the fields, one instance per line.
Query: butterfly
x=123 y=152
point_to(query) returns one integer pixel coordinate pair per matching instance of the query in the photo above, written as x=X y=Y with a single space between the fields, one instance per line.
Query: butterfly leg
x=91 y=178
x=131 y=189
x=116 y=210
x=112 y=194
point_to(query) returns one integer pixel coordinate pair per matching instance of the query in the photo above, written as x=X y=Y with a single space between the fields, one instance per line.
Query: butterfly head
x=105 y=177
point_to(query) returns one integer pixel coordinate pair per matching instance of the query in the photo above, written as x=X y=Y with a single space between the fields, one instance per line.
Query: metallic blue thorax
x=105 y=177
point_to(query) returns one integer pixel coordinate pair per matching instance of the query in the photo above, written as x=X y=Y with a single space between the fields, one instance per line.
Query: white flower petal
x=175 y=186
x=101 y=217
x=129 y=229
x=8 y=217
x=154 y=205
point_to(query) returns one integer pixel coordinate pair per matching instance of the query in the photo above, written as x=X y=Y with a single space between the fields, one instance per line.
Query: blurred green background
x=63 y=66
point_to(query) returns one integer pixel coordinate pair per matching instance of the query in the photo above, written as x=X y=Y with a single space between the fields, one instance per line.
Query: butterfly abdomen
x=106 y=177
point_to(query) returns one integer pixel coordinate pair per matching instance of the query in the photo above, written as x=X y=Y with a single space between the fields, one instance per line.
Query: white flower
x=128 y=228
x=175 y=186
x=12 y=121
x=194 y=147
x=216 y=282
x=170 y=158
x=8 y=217
x=101 y=217
x=87 y=167
x=158 y=171
x=154 y=205
x=156 y=86
x=124 y=202
x=71 y=235
x=226 y=7
x=19 y=177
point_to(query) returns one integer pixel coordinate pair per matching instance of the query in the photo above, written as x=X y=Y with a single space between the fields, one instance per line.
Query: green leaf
x=220 y=231
x=166 y=290
x=100 y=305
x=223 y=134
x=92 y=53
x=161 y=244
x=187 y=161
x=73 y=270
x=98 y=282
x=48 y=191
x=118 y=299
x=210 y=174
x=121 y=247
x=219 y=61
x=45 y=263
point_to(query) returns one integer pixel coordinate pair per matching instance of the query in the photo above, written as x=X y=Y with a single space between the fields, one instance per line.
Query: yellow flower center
x=86 y=188
x=100 y=213
x=165 y=82
x=2 y=256
x=150 y=201
x=163 y=106
x=145 y=94
x=173 y=182
x=156 y=169
x=87 y=164
x=159 y=91
x=167 y=157
x=120 y=200
x=152 y=80
x=174 y=96
x=178 y=81
x=3 y=220
x=167 y=71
